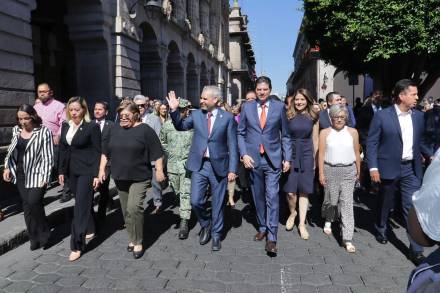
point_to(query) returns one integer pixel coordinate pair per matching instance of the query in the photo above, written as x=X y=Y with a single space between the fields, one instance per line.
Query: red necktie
x=262 y=123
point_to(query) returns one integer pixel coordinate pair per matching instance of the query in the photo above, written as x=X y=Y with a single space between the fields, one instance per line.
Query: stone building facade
x=107 y=49
x=242 y=54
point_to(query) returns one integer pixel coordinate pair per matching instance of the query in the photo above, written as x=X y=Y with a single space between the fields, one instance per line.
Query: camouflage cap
x=184 y=103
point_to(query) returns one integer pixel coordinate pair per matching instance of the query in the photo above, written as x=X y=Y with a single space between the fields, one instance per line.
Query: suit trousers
x=264 y=181
x=199 y=184
x=405 y=184
x=132 y=195
x=83 y=222
x=104 y=196
x=34 y=215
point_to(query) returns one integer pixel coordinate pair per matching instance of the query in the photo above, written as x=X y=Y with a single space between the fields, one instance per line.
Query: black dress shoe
x=65 y=198
x=416 y=258
x=130 y=248
x=183 y=229
x=381 y=239
x=138 y=254
x=205 y=235
x=35 y=245
x=216 y=244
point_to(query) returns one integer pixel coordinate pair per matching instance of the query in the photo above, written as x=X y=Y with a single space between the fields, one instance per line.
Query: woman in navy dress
x=304 y=130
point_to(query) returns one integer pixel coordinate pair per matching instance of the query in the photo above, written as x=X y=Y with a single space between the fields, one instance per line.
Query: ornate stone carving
x=167 y=7
x=201 y=39
x=211 y=50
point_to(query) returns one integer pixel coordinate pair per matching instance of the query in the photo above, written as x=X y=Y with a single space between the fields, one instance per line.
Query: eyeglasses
x=126 y=116
x=339 y=117
x=141 y=105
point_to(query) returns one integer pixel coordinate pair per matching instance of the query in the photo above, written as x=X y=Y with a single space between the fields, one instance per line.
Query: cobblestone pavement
x=171 y=265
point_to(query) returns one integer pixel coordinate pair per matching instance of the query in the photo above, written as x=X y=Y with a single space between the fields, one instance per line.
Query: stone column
x=89 y=29
x=204 y=20
x=193 y=16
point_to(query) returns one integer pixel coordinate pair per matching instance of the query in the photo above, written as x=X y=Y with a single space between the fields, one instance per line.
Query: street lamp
x=151 y=6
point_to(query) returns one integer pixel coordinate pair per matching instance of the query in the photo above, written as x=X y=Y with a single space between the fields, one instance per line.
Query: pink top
x=53 y=114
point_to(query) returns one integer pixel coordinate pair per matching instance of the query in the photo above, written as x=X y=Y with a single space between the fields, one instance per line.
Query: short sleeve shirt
x=131 y=151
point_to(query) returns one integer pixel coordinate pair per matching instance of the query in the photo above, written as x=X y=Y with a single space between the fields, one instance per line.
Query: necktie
x=209 y=123
x=262 y=124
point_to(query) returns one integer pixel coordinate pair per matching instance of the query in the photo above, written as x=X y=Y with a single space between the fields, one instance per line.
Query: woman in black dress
x=304 y=131
x=80 y=154
x=28 y=164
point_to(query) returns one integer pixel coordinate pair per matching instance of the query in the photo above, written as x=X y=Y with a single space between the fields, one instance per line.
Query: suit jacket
x=274 y=136
x=38 y=158
x=385 y=145
x=366 y=115
x=105 y=138
x=325 y=122
x=83 y=156
x=222 y=142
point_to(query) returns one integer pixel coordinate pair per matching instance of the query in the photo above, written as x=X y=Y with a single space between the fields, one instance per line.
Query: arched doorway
x=192 y=89
x=150 y=64
x=174 y=70
x=54 y=55
x=204 y=81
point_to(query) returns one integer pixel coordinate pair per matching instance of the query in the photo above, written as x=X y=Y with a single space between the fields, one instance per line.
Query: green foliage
x=399 y=37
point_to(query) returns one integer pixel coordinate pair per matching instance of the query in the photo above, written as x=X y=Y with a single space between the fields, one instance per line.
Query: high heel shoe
x=74 y=255
x=231 y=202
x=138 y=254
x=303 y=233
x=291 y=221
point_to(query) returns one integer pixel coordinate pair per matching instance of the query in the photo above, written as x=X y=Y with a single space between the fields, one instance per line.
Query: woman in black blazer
x=80 y=152
x=28 y=164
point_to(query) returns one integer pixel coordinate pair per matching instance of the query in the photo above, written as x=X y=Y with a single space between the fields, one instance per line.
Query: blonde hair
x=83 y=103
x=292 y=112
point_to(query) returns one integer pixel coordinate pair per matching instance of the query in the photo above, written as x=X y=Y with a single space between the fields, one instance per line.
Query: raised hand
x=173 y=101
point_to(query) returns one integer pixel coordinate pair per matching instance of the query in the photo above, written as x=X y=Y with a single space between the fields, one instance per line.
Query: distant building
x=320 y=78
x=242 y=55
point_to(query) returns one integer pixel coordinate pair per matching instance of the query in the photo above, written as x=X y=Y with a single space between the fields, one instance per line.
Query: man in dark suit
x=332 y=98
x=213 y=158
x=265 y=148
x=100 y=112
x=394 y=152
x=365 y=116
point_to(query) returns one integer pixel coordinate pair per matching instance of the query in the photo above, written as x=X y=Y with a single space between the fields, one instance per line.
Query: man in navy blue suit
x=332 y=98
x=265 y=148
x=395 y=145
x=213 y=158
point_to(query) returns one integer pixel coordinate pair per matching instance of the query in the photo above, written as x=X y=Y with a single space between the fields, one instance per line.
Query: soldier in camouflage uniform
x=177 y=145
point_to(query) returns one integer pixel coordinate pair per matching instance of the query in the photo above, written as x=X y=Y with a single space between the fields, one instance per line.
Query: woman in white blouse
x=339 y=168
x=80 y=154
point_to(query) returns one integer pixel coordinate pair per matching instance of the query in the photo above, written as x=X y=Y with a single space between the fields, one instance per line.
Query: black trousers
x=83 y=221
x=34 y=215
x=104 y=196
x=54 y=176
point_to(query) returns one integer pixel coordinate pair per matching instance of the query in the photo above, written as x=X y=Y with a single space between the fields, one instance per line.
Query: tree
x=388 y=39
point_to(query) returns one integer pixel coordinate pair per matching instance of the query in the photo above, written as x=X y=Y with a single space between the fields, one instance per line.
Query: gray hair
x=140 y=98
x=214 y=90
x=335 y=110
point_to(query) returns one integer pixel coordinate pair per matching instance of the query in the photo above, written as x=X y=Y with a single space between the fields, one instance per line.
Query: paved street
x=170 y=265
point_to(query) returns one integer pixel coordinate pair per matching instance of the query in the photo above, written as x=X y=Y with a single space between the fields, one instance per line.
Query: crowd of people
x=319 y=148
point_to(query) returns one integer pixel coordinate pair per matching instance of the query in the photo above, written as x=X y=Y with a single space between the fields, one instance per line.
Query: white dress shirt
x=406 y=127
x=214 y=115
x=72 y=130
x=101 y=124
x=266 y=110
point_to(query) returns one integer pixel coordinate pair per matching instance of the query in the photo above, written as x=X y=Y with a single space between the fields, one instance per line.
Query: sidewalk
x=13 y=228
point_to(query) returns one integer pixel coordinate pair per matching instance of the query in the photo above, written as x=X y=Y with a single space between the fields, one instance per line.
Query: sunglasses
x=141 y=105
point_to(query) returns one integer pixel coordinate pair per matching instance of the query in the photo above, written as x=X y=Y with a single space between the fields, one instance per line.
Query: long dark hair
x=36 y=120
